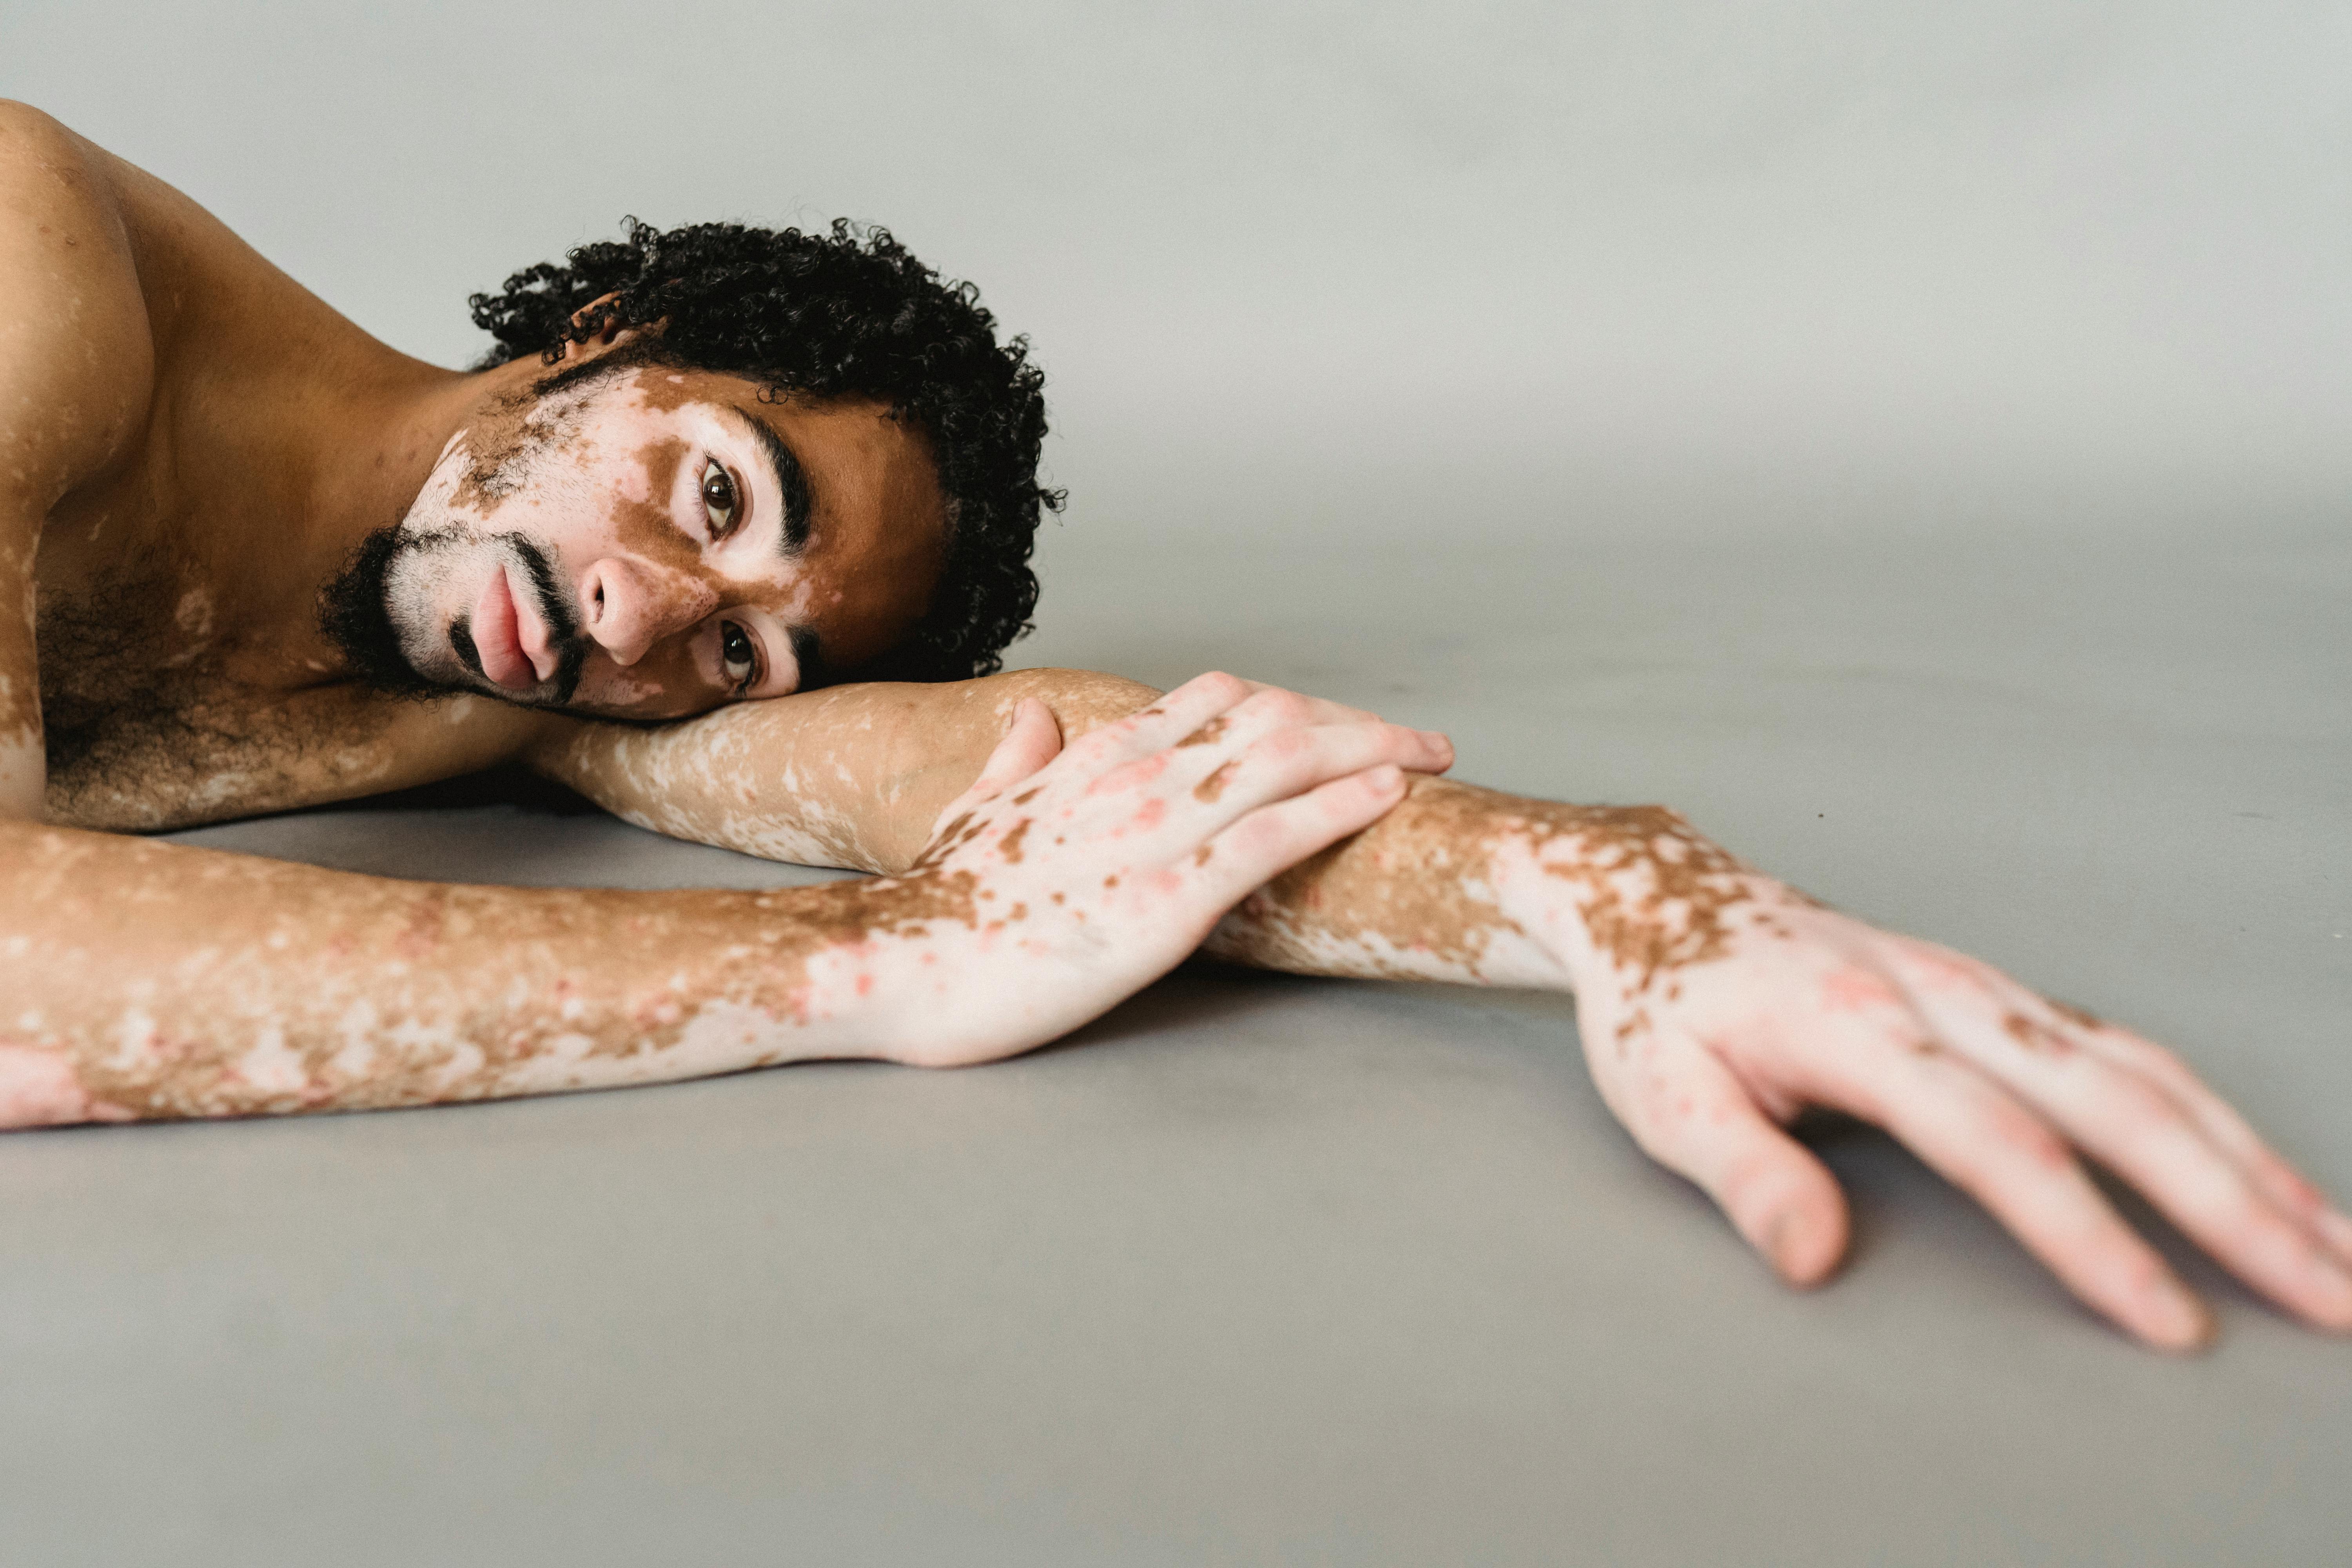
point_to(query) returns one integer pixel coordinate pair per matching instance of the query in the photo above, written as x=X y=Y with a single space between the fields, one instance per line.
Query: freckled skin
x=191 y=447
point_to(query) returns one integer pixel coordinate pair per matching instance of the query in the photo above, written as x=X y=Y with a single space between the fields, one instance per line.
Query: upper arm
x=77 y=368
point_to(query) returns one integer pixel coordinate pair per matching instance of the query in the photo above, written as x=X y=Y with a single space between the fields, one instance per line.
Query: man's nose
x=627 y=607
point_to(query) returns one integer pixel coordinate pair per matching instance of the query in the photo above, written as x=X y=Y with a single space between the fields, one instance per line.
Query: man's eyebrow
x=791 y=482
x=808 y=654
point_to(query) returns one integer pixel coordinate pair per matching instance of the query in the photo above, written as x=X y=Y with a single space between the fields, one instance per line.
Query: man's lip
x=531 y=630
x=496 y=641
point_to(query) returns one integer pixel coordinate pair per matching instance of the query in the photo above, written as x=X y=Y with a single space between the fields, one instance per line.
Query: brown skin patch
x=1409 y=879
x=954 y=836
x=2081 y=1018
x=1205 y=734
x=2035 y=1035
x=1210 y=788
x=1676 y=916
x=1010 y=844
x=1655 y=897
x=649 y=527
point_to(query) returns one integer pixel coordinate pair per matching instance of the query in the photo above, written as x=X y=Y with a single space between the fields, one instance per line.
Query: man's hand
x=1092 y=870
x=1715 y=1004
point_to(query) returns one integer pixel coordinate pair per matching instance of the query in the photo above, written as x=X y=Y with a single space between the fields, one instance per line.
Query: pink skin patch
x=1857 y=991
x=1948 y=971
x=39 y=1089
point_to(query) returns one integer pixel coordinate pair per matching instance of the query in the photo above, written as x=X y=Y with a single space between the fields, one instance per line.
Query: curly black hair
x=848 y=313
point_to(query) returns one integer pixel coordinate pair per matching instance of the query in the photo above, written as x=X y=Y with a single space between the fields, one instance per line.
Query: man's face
x=650 y=543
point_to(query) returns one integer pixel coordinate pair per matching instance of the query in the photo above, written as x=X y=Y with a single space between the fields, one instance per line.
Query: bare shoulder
x=77 y=357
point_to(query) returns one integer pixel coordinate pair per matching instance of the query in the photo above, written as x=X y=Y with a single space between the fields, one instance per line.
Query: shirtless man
x=251 y=559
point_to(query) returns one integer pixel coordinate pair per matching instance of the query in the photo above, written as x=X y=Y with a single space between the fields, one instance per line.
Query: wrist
x=1617 y=895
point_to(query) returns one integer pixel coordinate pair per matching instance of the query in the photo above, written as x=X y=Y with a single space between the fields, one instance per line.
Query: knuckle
x=2138 y=1104
x=1263 y=835
x=1223 y=686
x=1278 y=706
x=2031 y=1138
x=1284 y=746
x=2159 y=1058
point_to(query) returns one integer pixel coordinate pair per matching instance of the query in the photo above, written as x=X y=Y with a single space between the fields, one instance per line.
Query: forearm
x=145 y=980
x=1470 y=885
x=1451 y=885
x=853 y=775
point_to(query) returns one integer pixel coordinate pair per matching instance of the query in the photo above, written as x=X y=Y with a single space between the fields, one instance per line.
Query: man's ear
x=612 y=337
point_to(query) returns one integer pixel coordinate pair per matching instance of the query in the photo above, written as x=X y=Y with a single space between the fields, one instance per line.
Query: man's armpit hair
x=848 y=313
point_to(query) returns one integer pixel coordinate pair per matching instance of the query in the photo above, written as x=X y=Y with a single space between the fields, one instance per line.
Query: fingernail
x=2335 y=1291
x=1783 y=1241
x=1776 y=1240
x=2189 y=1325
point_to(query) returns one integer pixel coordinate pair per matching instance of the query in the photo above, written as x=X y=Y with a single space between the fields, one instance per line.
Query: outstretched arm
x=1715 y=1002
x=148 y=980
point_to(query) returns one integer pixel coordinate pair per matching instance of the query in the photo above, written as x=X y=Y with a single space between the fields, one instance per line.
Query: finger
x=1032 y=738
x=1261 y=845
x=2278 y=1181
x=1320 y=709
x=2141 y=1132
x=2137 y=1129
x=1290 y=762
x=1702 y=1123
x=1177 y=715
x=1981 y=1138
x=1952 y=987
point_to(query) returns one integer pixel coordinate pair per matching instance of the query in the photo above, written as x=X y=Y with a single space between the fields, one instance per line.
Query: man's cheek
x=668 y=689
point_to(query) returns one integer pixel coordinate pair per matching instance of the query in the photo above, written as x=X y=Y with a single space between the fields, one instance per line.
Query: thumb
x=1033 y=737
x=1704 y=1124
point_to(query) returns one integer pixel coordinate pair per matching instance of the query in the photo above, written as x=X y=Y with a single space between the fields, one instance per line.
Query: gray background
x=1913 y=444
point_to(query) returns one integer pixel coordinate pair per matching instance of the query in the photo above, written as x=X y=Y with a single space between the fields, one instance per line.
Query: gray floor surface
x=1262 y=1270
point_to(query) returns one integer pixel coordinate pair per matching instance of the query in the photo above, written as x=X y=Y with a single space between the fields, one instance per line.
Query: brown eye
x=719 y=497
x=739 y=654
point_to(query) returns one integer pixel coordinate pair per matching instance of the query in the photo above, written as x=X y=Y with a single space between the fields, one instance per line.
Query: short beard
x=355 y=614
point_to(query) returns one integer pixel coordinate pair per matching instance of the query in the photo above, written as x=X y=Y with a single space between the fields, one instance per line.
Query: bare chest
x=151 y=722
